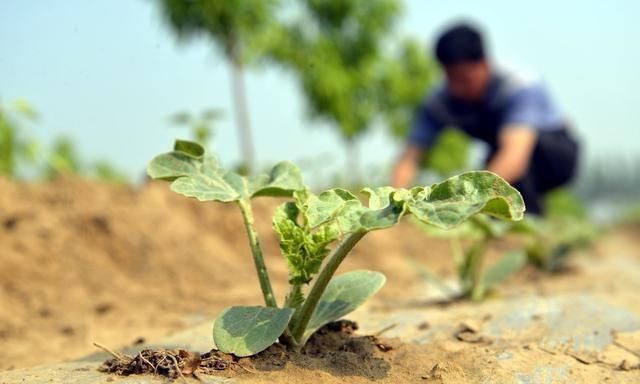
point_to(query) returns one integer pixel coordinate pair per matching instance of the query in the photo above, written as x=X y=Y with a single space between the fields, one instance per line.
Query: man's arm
x=406 y=168
x=516 y=144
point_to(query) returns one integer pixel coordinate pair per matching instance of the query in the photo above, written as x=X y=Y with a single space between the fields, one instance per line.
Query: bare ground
x=83 y=262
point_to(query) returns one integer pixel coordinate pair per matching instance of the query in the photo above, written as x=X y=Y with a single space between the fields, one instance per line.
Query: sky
x=108 y=73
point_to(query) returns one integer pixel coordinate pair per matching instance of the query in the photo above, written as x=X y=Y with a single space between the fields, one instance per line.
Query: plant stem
x=458 y=254
x=309 y=306
x=477 y=288
x=256 y=251
x=288 y=340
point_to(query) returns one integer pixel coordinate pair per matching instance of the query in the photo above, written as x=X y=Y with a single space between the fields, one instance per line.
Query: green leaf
x=208 y=185
x=196 y=175
x=509 y=264
x=456 y=199
x=189 y=148
x=444 y=205
x=346 y=212
x=342 y=296
x=282 y=181
x=245 y=331
x=319 y=209
x=379 y=197
x=379 y=219
x=336 y=213
x=178 y=163
x=384 y=211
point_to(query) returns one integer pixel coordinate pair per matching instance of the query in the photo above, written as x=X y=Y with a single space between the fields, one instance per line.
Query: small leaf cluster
x=303 y=245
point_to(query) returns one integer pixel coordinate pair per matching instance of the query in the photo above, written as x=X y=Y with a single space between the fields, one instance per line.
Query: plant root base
x=334 y=348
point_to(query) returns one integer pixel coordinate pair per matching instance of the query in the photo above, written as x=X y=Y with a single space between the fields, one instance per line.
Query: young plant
x=316 y=233
x=550 y=241
x=474 y=280
x=200 y=126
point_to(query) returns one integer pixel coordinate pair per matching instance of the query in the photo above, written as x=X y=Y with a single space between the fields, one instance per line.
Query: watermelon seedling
x=317 y=232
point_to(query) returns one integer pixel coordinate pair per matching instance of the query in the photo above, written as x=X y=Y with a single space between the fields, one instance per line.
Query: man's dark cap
x=460 y=43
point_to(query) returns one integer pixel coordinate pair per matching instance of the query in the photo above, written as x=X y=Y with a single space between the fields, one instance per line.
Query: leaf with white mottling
x=245 y=331
x=199 y=176
x=456 y=199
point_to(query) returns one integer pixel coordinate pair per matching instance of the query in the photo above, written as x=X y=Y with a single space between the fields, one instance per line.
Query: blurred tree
x=335 y=49
x=200 y=126
x=241 y=28
x=450 y=154
x=15 y=146
x=404 y=83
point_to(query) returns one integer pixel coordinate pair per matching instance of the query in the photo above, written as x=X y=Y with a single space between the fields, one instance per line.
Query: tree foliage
x=403 y=84
x=338 y=51
x=450 y=154
x=242 y=30
x=238 y=27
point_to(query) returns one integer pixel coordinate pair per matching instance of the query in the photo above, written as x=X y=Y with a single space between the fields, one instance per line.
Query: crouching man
x=529 y=140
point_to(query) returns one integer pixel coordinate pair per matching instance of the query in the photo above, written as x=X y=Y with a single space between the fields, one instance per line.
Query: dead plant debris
x=333 y=346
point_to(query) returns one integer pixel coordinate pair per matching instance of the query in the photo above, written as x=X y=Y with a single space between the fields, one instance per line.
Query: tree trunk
x=241 y=113
x=353 y=163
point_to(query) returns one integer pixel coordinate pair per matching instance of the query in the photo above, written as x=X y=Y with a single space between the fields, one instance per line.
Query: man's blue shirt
x=510 y=100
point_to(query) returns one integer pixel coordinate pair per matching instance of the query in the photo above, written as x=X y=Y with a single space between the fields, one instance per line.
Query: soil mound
x=84 y=262
x=334 y=348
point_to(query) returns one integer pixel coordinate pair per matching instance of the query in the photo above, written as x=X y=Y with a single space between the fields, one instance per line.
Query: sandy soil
x=83 y=262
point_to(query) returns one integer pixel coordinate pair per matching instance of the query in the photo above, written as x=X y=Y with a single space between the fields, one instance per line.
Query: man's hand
x=516 y=144
x=407 y=166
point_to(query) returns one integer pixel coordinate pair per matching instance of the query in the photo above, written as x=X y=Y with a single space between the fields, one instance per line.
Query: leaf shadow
x=334 y=349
